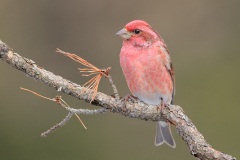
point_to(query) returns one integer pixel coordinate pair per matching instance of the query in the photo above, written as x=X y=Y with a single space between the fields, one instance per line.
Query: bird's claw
x=162 y=106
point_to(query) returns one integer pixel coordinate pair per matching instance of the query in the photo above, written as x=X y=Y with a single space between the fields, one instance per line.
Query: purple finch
x=147 y=67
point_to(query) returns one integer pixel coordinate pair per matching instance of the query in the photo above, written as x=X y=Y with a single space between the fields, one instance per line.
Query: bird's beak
x=124 y=34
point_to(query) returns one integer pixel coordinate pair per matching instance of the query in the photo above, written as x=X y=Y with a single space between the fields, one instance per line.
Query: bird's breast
x=147 y=77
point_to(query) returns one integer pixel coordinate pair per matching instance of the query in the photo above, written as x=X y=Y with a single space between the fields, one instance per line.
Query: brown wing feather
x=171 y=72
x=168 y=66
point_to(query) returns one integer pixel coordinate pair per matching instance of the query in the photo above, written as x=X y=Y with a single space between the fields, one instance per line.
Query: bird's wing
x=169 y=67
x=171 y=72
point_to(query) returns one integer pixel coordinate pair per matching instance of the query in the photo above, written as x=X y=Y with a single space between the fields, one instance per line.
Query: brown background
x=202 y=36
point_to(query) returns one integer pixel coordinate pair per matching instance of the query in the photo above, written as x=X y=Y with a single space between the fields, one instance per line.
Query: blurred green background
x=202 y=36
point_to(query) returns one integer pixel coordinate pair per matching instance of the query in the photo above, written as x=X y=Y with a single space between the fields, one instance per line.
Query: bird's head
x=138 y=32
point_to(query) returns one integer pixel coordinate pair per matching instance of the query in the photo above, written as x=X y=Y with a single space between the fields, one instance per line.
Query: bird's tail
x=164 y=134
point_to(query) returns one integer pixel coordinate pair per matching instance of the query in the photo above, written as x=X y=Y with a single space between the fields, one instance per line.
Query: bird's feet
x=161 y=107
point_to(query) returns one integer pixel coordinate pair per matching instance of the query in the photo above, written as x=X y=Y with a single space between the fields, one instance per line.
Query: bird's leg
x=162 y=105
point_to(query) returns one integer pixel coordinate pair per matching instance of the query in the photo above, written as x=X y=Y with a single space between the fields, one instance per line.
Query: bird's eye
x=136 y=31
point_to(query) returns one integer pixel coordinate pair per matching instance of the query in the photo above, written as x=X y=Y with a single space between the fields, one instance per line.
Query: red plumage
x=147 y=67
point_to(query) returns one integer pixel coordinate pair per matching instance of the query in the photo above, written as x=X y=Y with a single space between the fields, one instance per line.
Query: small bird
x=148 y=70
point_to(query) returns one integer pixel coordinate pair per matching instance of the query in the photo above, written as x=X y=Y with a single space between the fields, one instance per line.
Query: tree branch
x=198 y=146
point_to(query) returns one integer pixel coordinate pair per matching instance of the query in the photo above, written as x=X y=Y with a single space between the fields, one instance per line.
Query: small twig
x=115 y=91
x=93 y=83
x=63 y=103
x=60 y=101
x=55 y=127
x=39 y=95
x=57 y=99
